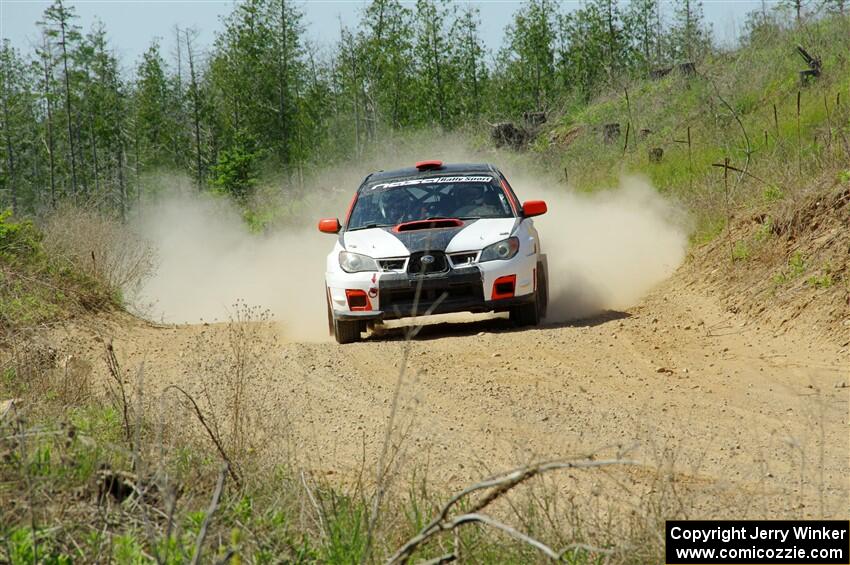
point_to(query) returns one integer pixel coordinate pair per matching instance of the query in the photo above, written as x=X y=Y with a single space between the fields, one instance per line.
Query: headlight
x=356 y=263
x=504 y=249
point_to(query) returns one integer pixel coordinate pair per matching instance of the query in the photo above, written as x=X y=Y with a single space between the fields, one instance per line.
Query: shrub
x=19 y=241
x=101 y=247
x=36 y=285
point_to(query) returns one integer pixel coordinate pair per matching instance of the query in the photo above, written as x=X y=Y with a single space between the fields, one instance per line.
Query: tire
x=347 y=331
x=532 y=314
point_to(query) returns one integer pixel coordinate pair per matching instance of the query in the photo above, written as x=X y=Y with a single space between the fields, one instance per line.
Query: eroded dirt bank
x=744 y=421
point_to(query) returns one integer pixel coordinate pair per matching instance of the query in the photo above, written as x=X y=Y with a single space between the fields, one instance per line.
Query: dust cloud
x=605 y=250
x=208 y=259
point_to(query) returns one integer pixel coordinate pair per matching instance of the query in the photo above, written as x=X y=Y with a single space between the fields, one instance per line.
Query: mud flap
x=543 y=285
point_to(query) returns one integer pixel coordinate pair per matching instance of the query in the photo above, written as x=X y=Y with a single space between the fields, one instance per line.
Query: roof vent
x=429 y=165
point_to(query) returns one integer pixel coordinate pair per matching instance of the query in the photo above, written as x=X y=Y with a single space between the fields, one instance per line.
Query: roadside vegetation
x=90 y=468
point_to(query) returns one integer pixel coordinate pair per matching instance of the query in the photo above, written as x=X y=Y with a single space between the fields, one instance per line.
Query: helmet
x=468 y=193
x=395 y=204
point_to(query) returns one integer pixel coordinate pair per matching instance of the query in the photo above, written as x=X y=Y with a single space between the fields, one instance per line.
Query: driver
x=396 y=206
x=471 y=200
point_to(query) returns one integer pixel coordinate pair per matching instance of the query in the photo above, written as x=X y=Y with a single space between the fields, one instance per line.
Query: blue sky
x=131 y=24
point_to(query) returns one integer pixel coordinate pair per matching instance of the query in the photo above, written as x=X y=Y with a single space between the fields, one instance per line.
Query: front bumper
x=394 y=295
x=406 y=297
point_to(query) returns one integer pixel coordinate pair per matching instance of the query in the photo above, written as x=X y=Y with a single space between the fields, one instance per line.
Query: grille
x=391 y=264
x=417 y=267
x=463 y=259
x=400 y=300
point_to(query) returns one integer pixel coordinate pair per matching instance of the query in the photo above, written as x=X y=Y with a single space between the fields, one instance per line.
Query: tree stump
x=660 y=73
x=507 y=134
x=807 y=76
x=656 y=154
x=687 y=68
x=610 y=132
x=814 y=63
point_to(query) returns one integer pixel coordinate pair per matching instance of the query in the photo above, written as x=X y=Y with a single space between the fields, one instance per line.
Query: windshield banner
x=431 y=180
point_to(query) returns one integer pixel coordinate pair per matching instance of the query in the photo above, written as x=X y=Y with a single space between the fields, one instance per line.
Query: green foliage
x=795 y=267
x=236 y=172
x=346 y=531
x=822 y=280
x=22 y=550
x=772 y=193
x=19 y=241
x=741 y=251
x=765 y=230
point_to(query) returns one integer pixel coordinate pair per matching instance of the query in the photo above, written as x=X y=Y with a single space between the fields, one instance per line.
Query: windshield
x=468 y=197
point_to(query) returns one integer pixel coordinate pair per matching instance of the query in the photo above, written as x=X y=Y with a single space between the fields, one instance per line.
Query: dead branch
x=115 y=373
x=500 y=485
x=208 y=518
x=213 y=437
x=743 y=172
x=735 y=115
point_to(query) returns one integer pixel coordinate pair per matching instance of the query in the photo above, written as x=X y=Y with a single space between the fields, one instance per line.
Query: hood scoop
x=428 y=224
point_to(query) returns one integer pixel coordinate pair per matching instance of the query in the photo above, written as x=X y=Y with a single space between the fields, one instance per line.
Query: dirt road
x=754 y=423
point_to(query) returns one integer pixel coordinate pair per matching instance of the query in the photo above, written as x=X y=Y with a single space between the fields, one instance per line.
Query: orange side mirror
x=329 y=225
x=531 y=208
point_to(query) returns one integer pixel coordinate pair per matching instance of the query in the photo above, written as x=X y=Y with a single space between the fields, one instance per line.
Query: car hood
x=472 y=235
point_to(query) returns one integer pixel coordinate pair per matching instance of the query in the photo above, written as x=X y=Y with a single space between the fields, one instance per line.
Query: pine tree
x=467 y=52
x=528 y=58
x=45 y=64
x=151 y=104
x=642 y=23
x=690 y=37
x=58 y=25
x=430 y=49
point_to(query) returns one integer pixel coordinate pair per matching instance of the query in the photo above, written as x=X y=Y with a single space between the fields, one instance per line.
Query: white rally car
x=433 y=239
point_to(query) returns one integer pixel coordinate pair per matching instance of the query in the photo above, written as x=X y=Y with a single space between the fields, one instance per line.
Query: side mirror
x=531 y=208
x=329 y=225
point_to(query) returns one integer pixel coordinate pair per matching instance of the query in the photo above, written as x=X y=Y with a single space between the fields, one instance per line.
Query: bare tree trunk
x=282 y=82
x=122 y=188
x=49 y=124
x=10 y=156
x=196 y=116
x=94 y=159
x=440 y=96
x=71 y=145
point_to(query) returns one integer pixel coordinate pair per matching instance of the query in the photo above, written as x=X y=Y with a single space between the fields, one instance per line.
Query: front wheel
x=532 y=313
x=346 y=331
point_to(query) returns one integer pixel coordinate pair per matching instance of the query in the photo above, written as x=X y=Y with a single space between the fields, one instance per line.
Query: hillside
x=770 y=234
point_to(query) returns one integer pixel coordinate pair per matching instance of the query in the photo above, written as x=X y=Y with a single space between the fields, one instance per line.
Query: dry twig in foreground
x=498 y=485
